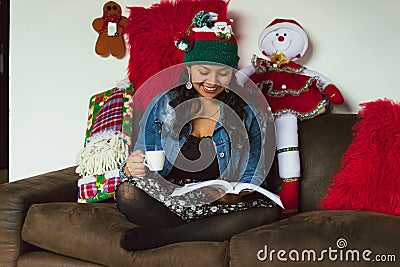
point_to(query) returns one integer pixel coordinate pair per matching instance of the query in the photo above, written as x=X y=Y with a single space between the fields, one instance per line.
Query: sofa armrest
x=16 y=199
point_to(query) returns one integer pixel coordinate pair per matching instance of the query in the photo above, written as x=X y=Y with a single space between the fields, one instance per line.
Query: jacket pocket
x=223 y=150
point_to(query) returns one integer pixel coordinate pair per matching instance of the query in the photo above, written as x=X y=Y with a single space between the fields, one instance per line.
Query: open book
x=228 y=187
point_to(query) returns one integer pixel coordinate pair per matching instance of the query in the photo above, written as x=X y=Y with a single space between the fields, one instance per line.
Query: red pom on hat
x=184 y=41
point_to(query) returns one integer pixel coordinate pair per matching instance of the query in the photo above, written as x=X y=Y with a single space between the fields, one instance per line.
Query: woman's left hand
x=231 y=198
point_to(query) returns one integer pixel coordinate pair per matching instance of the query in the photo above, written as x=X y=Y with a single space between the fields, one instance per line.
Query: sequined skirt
x=196 y=204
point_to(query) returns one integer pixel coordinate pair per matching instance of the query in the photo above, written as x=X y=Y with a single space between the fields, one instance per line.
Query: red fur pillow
x=151 y=32
x=369 y=178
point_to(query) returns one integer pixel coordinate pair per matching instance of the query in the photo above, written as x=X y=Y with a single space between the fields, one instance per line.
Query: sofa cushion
x=309 y=232
x=91 y=232
x=45 y=258
x=322 y=142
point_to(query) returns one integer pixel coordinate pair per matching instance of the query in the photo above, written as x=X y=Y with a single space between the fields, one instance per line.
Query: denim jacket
x=237 y=162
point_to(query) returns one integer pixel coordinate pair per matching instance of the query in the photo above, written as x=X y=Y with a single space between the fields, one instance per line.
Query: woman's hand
x=222 y=197
x=231 y=198
x=134 y=164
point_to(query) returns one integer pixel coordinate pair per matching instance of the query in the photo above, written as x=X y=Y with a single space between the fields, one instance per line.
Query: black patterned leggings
x=147 y=212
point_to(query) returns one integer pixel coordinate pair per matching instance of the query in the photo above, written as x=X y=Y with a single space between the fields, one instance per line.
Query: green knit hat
x=209 y=40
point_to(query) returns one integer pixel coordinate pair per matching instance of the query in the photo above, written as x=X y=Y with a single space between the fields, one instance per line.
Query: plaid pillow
x=107 y=143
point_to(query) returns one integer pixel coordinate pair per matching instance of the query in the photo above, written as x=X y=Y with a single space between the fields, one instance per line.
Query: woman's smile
x=210 y=80
x=209 y=89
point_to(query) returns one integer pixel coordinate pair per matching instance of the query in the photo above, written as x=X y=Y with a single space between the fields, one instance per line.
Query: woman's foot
x=140 y=238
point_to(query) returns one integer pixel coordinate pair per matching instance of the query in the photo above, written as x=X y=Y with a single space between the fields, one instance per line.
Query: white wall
x=54 y=70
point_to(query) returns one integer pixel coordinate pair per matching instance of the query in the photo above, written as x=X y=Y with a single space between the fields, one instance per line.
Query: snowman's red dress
x=289 y=90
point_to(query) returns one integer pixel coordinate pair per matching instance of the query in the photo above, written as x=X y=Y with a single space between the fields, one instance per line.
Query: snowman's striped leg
x=287 y=143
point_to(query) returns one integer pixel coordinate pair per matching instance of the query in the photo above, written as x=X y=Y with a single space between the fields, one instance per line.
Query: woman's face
x=210 y=80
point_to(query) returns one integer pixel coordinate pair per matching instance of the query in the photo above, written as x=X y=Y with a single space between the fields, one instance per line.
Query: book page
x=228 y=187
x=218 y=184
x=252 y=187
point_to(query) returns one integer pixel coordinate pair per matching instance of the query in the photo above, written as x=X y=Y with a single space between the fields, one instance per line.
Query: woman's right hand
x=134 y=164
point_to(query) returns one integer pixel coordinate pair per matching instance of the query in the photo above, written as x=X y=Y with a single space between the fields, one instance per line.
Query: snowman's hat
x=277 y=24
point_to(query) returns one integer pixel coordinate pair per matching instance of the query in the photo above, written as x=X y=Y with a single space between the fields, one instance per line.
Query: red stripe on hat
x=210 y=36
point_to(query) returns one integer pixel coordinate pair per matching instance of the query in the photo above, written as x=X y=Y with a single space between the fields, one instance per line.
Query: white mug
x=154 y=160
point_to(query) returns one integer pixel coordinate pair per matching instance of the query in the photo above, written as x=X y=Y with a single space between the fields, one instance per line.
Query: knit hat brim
x=213 y=52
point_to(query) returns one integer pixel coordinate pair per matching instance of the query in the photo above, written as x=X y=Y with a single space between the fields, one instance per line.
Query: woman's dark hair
x=230 y=98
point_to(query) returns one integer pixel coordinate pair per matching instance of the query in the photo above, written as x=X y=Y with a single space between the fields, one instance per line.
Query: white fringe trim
x=104 y=135
x=86 y=180
x=102 y=154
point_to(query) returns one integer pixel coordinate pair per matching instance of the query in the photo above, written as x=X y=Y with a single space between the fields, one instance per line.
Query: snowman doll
x=293 y=93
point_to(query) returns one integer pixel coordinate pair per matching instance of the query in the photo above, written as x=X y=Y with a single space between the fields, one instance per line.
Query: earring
x=189 y=84
x=227 y=90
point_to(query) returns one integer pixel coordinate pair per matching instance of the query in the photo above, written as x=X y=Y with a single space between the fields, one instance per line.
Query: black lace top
x=197 y=160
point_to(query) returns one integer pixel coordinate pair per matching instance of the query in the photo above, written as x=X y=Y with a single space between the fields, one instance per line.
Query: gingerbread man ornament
x=110 y=28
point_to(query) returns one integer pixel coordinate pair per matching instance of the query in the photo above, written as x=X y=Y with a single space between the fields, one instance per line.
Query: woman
x=192 y=122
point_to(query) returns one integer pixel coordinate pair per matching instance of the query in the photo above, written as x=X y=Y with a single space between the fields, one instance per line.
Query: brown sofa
x=42 y=225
